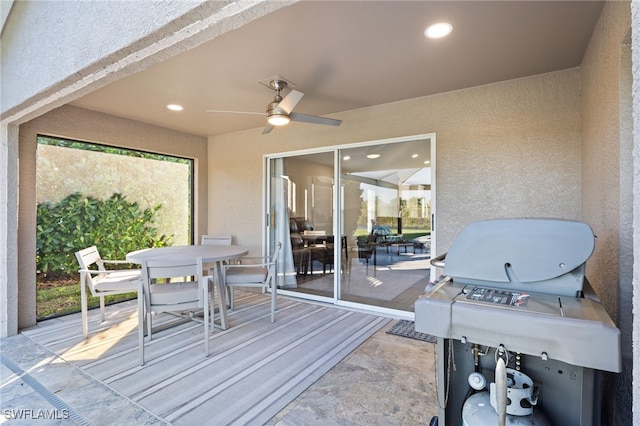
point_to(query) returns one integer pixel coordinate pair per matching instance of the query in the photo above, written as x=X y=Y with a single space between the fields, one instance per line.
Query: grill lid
x=520 y=251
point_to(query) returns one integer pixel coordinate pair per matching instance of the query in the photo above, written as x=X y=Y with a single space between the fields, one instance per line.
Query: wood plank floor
x=180 y=386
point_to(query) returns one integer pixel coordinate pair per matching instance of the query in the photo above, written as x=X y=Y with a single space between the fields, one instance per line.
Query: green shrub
x=115 y=225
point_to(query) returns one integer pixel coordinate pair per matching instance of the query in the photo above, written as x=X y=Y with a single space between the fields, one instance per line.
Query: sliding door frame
x=337 y=205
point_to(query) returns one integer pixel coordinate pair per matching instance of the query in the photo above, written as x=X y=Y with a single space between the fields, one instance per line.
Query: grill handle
x=438 y=262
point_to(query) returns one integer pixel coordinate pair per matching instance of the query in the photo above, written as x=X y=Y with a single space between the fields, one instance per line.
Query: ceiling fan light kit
x=279 y=111
x=276 y=119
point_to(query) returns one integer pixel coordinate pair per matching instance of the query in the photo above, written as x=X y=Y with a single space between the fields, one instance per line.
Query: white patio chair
x=219 y=240
x=260 y=274
x=102 y=282
x=174 y=286
x=216 y=240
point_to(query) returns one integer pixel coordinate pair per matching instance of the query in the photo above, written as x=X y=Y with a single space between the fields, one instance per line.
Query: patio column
x=8 y=230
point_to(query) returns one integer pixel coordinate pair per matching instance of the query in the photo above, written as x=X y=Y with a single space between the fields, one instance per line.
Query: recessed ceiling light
x=346 y=158
x=175 y=107
x=427 y=162
x=439 y=30
x=372 y=156
x=414 y=156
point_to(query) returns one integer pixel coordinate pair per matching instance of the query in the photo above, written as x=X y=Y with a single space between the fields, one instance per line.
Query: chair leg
x=205 y=297
x=141 y=326
x=274 y=302
x=147 y=316
x=83 y=306
x=102 y=308
x=212 y=303
x=220 y=282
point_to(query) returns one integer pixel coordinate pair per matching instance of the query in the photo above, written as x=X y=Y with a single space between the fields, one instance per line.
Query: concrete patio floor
x=387 y=380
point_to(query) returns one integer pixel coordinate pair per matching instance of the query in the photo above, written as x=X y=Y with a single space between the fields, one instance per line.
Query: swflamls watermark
x=39 y=414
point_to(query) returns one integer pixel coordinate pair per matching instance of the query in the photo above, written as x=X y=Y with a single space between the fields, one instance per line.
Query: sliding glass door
x=386 y=213
x=302 y=206
x=356 y=222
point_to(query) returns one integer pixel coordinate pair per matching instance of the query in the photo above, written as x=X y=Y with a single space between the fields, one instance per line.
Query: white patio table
x=209 y=253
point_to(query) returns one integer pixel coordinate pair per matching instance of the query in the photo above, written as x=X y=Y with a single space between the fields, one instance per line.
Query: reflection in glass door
x=386 y=215
x=302 y=194
x=377 y=251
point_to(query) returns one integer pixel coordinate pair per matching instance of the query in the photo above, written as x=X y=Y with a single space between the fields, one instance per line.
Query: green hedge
x=115 y=225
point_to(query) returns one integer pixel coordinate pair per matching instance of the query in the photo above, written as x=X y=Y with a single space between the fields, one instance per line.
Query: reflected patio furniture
x=316 y=242
x=260 y=274
x=364 y=250
x=300 y=254
x=328 y=241
x=423 y=243
x=405 y=245
x=174 y=286
x=367 y=249
x=102 y=282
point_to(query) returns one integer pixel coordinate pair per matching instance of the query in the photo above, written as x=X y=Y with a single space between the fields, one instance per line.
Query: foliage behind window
x=116 y=226
x=65 y=167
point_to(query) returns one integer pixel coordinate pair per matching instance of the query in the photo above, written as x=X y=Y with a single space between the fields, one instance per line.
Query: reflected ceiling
x=400 y=163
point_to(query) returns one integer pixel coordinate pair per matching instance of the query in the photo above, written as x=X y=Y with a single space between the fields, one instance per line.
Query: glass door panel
x=385 y=214
x=302 y=194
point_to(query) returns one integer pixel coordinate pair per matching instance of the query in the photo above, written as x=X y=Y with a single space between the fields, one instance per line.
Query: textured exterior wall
x=61 y=29
x=635 y=44
x=601 y=147
x=606 y=181
x=8 y=231
x=503 y=150
x=81 y=124
x=81 y=46
x=61 y=172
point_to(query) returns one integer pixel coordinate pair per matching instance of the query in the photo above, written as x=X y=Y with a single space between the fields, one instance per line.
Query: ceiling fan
x=279 y=111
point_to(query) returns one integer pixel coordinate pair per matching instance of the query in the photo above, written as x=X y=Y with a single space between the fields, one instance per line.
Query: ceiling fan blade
x=267 y=129
x=235 y=112
x=290 y=101
x=296 y=116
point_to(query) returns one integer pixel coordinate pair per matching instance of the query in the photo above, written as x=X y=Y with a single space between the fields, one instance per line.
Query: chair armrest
x=97 y=272
x=249 y=265
x=260 y=258
x=253 y=260
x=117 y=262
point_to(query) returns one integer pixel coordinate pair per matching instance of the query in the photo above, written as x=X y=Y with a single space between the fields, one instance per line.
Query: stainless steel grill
x=514 y=289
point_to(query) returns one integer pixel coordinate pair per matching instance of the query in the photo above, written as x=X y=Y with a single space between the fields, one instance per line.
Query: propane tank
x=477 y=411
x=509 y=401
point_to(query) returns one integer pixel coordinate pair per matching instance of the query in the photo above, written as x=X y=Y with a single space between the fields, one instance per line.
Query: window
x=140 y=200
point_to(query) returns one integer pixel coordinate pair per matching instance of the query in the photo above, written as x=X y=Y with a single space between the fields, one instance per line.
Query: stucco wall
x=33 y=26
x=81 y=46
x=601 y=147
x=85 y=125
x=635 y=379
x=606 y=183
x=503 y=150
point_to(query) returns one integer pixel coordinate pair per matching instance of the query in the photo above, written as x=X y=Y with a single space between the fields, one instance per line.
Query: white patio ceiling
x=349 y=55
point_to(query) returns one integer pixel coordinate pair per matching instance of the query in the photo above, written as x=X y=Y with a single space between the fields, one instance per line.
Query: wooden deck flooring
x=257 y=373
